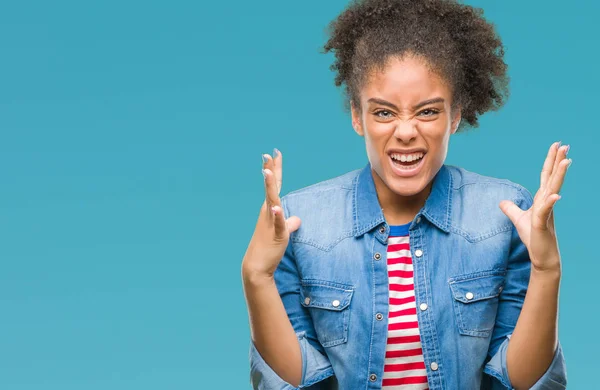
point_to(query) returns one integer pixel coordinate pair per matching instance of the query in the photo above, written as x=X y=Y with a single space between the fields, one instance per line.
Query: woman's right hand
x=272 y=232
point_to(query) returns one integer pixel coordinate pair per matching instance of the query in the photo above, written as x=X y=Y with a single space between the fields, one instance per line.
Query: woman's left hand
x=536 y=225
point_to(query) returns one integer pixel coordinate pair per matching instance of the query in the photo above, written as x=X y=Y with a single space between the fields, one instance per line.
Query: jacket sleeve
x=315 y=364
x=511 y=302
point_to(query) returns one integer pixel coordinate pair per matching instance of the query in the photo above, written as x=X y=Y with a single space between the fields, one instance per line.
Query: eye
x=383 y=114
x=429 y=112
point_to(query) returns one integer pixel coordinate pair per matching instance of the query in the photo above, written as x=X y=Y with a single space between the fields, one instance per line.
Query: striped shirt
x=404 y=366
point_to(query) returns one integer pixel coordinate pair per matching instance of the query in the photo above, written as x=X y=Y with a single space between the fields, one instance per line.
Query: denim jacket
x=470 y=269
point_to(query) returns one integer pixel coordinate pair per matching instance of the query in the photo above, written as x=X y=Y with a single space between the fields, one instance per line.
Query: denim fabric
x=470 y=268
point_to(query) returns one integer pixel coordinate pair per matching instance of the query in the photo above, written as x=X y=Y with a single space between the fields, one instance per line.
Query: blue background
x=130 y=142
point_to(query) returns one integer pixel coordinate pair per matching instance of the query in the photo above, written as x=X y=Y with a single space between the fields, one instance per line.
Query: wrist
x=255 y=276
x=547 y=273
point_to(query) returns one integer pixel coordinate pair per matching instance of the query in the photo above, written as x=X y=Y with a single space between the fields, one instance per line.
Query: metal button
x=379 y=316
x=335 y=303
x=418 y=220
x=423 y=306
x=372 y=377
x=418 y=253
x=377 y=256
x=382 y=229
x=434 y=366
x=469 y=295
x=307 y=301
x=500 y=289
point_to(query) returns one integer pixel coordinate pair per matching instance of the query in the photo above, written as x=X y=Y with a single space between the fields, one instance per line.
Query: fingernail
x=567 y=150
x=264 y=173
x=264 y=158
x=275 y=152
x=570 y=162
x=559 y=143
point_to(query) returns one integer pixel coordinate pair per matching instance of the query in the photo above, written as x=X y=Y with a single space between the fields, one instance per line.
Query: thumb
x=293 y=223
x=283 y=227
x=511 y=210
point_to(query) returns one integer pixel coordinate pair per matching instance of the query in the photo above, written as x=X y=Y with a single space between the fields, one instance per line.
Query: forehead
x=406 y=79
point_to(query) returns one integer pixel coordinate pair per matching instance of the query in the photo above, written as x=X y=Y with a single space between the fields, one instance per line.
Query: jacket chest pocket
x=475 y=298
x=328 y=304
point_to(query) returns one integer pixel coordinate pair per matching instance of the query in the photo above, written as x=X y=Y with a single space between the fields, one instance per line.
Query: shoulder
x=325 y=209
x=475 y=205
x=327 y=191
x=466 y=184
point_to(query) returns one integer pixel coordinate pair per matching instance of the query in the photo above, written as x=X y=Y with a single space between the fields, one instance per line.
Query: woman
x=408 y=273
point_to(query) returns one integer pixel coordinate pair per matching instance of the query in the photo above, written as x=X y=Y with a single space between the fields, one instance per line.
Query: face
x=406 y=120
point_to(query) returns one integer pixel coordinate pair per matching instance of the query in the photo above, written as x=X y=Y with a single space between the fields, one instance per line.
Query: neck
x=399 y=209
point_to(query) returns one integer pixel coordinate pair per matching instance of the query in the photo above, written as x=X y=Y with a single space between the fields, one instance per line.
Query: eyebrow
x=416 y=107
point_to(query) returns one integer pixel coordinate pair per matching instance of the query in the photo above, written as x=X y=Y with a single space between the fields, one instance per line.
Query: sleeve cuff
x=555 y=377
x=315 y=368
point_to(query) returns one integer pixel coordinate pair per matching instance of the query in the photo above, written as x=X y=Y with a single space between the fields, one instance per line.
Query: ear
x=455 y=120
x=356 y=122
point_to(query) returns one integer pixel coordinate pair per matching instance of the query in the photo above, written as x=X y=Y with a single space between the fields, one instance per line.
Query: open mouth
x=407 y=161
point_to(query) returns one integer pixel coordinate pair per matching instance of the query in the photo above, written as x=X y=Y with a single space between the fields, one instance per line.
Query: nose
x=406 y=131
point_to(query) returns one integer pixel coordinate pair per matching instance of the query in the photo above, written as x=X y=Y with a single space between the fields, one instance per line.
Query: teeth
x=407 y=157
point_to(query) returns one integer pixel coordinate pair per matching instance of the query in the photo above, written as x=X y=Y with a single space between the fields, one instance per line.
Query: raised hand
x=272 y=232
x=536 y=225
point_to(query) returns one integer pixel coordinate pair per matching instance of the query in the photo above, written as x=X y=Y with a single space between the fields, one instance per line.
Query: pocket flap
x=325 y=295
x=477 y=287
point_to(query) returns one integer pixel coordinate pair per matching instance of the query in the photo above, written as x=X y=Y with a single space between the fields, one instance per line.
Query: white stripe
x=404 y=306
x=400 y=267
x=398 y=253
x=409 y=387
x=406 y=359
x=401 y=319
x=401 y=239
x=402 y=294
x=404 y=332
x=404 y=374
x=403 y=346
x=401 y=280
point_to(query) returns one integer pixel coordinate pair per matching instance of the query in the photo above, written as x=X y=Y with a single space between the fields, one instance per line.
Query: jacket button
x=418 y=220
x=372 y=377
x=418 y=253
x=469 y=295
x=307 y=301
x=423 y=306
x=379 y=316
x=434 y=366
x=335 y=303
x=382 y=229
x=377 y=256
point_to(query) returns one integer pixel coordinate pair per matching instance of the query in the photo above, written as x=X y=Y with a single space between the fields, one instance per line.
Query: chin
x=406 y=187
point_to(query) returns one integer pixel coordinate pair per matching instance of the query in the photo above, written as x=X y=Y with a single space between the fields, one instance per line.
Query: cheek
x=379 y=132
x=377 y=136
x=438 y=145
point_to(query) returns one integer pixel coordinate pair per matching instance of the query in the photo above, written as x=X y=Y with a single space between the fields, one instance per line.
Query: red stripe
x=404 y=340
x=402 y=287
x=403 y=325
x=398 y=247
x=399 y=260
x=404 y=366
x=405 y=312
x=405 y=353
x=401 y=301
x=400 y=274
x=409 y=380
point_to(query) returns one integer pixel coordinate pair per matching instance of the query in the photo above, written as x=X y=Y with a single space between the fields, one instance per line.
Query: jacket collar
x=367 y=211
